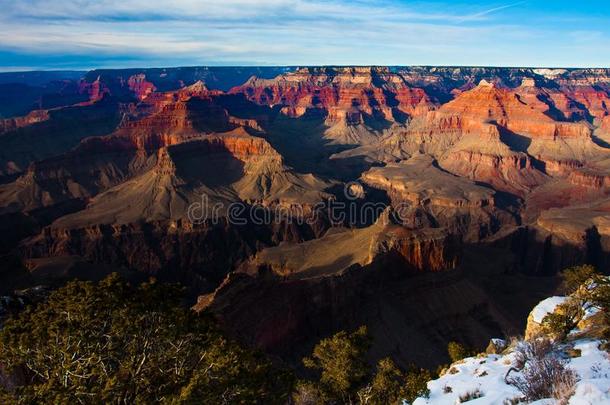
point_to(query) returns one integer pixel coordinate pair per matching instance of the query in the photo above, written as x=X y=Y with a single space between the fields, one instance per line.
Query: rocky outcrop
x=560 y=238
x=286 y=316
x=33 y=117
x=426 y=195
x=420 y=181
x=590 y=179
x=199 y=255
x=139 y=86
x=428 y=250
x=548 y=306
x=55 y=132
x=347 y=95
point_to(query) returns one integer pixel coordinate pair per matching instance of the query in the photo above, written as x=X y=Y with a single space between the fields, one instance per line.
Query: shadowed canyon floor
x=431 y=204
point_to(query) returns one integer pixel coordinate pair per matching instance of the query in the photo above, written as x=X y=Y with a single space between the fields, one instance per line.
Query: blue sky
x=84 y=34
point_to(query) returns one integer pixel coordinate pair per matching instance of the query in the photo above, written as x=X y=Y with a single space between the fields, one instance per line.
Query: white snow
x=546 y=307
x=590 y=311
x=487 y=375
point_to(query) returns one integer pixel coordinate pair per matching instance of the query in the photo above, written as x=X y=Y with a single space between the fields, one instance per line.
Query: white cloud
x=294 y=32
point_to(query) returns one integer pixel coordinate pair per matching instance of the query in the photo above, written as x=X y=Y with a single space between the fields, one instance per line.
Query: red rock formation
x=421 y=251
x=510 y=172
x=345 y=94
x=588 y=178
x=507 y=108
x=169 y=118
x=33 y=117
x=139 y=86
x=96 y=89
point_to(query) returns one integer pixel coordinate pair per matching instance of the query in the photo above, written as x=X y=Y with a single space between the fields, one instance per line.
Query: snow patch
x=486 y=374
x=546 y=307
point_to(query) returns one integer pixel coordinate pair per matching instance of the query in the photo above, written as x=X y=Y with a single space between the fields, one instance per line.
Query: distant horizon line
x=85 y=70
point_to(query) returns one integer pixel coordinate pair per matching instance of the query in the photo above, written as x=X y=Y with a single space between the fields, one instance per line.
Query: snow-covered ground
x=486 y=375
x=546 y=307
x=482 y=378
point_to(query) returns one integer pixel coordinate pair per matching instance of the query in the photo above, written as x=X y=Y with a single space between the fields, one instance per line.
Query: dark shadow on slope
x=553 y=111
x=63 y=131
x=600 y=142
x=18 y=99
x=377 y=121
x=516 y=142
x=301 y=143
x=595 y=251
x=207 y=116
x=503 y=199
x=206 y=162
x=359 y=212
x=239 y=106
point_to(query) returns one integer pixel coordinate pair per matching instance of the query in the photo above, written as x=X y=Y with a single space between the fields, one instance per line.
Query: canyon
x=473 y=187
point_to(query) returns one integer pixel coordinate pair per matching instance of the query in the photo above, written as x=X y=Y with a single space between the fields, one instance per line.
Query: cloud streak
x=492 y=10
x=282 y=32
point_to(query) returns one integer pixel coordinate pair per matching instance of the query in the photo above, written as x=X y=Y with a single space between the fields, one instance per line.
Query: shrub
x=110 y=342
x=543 y=374
x=341 y=362
x=599 y=295
x=565 y=318
x=387 y=386
x=574 y=277
x=564 y=386
x=391 y=386
x=470 y=395
x=417 y=384
x=458 y=351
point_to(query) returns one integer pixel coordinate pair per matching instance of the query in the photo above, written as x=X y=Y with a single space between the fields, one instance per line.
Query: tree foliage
x=345 y=376
x=392 y=386
x=587 y=289
x=110 y=342
x=115 y=343
x=574 y=277
x=564 y=318
x=341 y=362
x=458 y=351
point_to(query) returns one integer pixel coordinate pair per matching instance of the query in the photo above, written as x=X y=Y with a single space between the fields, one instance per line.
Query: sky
x=86 y=34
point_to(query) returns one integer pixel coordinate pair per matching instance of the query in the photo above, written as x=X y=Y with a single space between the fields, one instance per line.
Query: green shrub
x=341 y=362
x=110 y=342
x=458 y=351
x=417 y=384
x=566 y=317
x=574 y=277
x=392 y=386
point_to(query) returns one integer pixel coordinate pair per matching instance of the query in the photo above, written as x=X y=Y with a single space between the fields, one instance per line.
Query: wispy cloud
x=488 y=11
x=115 y=32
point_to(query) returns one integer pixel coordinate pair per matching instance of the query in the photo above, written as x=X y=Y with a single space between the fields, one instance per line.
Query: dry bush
x=536 y=349
x=470 y=395
x=543 y=373
x=564 y=385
